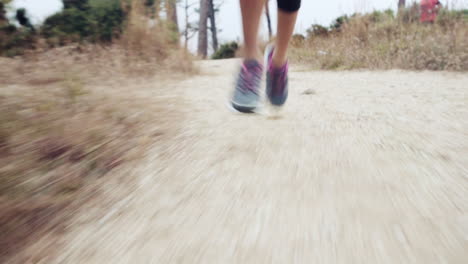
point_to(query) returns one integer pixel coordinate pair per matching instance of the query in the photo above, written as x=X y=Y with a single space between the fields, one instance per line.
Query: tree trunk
x=187 y=25
x=171 y=9
x=267 y=13
x=202 y=29
x=401 y=3
x=214 y=30
x=2 y=14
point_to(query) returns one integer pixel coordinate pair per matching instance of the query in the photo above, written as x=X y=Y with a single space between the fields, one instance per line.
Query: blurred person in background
x=246 y=93
x=429 y=10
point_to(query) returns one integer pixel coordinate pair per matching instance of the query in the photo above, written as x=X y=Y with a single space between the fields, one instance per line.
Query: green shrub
x=70 y=21
x=3 y=19
x=13 y=40
x=226 y=51
x=339 y=22
x=98 y=21
x=77 y=4
x=108 y=19
x=23 y=19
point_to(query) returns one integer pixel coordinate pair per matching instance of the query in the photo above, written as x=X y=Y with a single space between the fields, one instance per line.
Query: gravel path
x=359 y=167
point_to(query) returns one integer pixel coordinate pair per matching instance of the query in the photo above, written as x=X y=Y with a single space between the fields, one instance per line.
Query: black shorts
x=289 y=5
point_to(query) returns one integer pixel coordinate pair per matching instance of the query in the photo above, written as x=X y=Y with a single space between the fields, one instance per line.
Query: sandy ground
x=358 y=167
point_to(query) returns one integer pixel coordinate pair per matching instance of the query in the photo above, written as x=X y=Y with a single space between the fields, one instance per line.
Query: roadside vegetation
x=384 y=40
x=64 y=127
x=66 y=124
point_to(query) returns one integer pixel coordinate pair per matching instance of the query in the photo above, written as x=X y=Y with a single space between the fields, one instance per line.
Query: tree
x=401 y=4
x=214 y=31
x=13 y=40
x=171 y=11
x=267 y=13
x=23 y=19
x=227 y=50
x=189 y=29
x=202 y=29
x=3 y=6
x=2 y=13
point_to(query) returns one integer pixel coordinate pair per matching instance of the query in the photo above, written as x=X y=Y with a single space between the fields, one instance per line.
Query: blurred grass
x=56 y=140
x=68 y=119
x=380 y=40
x=44 y=132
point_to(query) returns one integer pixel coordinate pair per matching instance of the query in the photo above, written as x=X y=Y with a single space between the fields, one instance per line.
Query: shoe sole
x=243 y=108
x=278 y=102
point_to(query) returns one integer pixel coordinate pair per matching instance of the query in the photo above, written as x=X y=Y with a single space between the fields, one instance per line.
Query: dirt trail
x=359 y=167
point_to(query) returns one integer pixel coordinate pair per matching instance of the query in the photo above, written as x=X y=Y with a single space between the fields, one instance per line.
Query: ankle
x=253 y=55
x=279 y=61
x=251 y=60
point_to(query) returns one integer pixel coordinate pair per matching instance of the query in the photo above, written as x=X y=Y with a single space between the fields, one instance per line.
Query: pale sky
x=312 y=12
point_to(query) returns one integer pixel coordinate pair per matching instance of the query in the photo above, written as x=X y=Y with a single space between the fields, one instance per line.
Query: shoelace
x=249 y=77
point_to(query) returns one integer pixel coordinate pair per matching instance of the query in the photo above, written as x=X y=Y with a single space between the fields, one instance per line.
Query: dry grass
x=67 y=122
x=63 y=131
x=147 y=42
x=388 y=43
x=68 y=117
x=56 y=138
